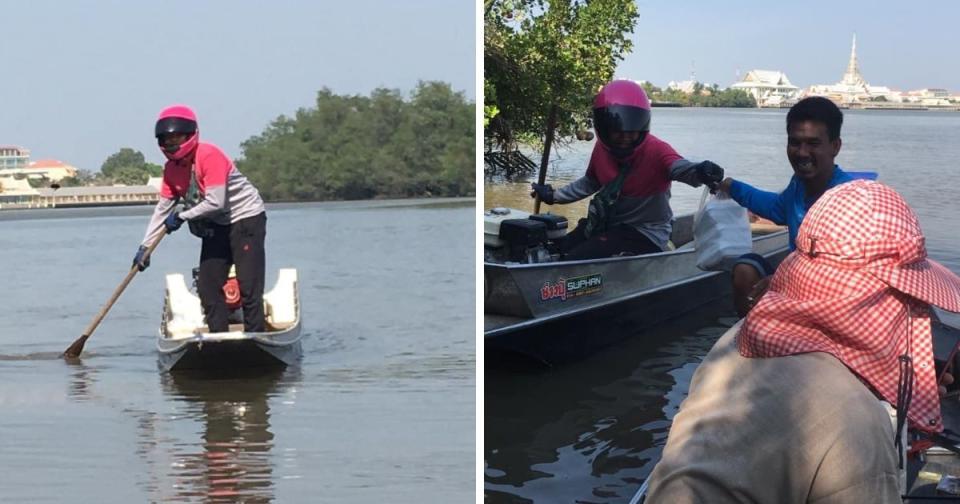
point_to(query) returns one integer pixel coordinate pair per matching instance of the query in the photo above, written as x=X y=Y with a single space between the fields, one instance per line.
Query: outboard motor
x=525 y=239
x=517 y=236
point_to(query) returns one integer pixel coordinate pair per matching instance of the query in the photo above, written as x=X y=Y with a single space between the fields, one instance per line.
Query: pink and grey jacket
x=644 y=202
x=227 y=195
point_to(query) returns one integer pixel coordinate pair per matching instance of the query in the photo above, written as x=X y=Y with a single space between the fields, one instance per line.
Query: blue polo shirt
x=790 y=205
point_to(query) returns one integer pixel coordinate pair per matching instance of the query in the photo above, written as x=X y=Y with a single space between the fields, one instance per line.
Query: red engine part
x=231 y=291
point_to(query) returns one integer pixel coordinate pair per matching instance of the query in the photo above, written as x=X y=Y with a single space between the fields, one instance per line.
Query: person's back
x=799 y=428
x=787 y=406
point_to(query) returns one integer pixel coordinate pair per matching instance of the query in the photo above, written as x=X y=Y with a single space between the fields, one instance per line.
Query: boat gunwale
x=535 y=321
x=523 y=323
x=605 y=260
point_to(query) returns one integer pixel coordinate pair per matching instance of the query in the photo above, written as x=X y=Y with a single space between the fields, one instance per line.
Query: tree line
x=702 y=96
x=346 y=147
x=543 y=63
x=359 y=147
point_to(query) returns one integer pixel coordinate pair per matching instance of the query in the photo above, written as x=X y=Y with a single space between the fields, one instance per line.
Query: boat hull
x=184 y=342
x=214 y=351
x=562 y=310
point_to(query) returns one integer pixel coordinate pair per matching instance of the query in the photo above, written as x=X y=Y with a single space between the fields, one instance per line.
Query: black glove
x=139 y=260
x=545 y=191
x=710 y=174
x=173 y=222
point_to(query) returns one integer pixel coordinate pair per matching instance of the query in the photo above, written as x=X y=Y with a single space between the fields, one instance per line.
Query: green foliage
x=702 y=96
x=358 y=147
x=124 y=158
x=127 y=166
x=38 y=182
x=544 y=60
x=153 y=169
x=70 y=182
x=650 y=89
x=128 y=175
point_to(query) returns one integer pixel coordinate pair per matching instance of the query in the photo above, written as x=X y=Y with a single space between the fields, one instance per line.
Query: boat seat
x=186 y=313
x=186 y=316
x=280 y=304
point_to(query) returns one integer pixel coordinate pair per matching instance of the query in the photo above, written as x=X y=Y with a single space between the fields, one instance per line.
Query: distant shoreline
x=4 y=207
x=141 y=209
x=870 y=107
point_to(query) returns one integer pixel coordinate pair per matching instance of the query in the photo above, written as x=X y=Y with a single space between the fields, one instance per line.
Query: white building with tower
x=853 y=88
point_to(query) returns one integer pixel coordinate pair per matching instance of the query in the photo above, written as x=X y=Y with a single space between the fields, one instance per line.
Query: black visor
x=620 y=118
x=170 y=125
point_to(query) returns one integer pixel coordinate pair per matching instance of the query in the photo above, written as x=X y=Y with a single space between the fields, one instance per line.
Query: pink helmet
x=177 y=119
x=621 y=105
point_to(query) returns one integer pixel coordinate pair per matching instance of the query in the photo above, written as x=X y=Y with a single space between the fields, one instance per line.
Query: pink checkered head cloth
x=859 y=287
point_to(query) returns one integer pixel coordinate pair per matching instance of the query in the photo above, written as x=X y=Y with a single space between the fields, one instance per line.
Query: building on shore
x=51 y=169
x=71 y=197
x=853 y=90
x=15 y=166
x=17 y=193
x=19 y=176
x=686 y=87
x=770 y=88
x=13 y=157
x=932 y=97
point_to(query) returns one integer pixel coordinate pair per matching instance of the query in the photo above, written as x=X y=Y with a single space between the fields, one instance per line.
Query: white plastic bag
x=721 y=231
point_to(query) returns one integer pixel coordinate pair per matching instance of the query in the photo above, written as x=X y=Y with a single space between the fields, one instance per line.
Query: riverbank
x=134 y=208
x=124 y=211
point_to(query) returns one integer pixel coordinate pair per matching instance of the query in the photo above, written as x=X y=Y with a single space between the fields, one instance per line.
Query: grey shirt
x=650 y=215
x=223 y=203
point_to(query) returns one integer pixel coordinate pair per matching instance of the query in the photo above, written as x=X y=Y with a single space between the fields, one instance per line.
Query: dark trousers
x=240 y=244
x=614 y=241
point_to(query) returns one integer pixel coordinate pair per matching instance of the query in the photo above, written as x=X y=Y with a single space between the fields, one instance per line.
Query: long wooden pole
x=76 y=348
x=545 y=159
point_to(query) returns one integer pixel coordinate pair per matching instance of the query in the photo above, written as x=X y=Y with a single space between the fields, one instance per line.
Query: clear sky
x=902 y=45
x=80 y=80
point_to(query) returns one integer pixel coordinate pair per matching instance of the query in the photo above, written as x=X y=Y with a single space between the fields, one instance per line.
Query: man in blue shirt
x=813 y=141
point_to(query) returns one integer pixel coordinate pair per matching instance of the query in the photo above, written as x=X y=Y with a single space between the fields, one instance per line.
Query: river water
x=591 y=431
x=382 y=408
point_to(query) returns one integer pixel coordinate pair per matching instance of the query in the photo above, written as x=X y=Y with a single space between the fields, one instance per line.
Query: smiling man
x=813 y=142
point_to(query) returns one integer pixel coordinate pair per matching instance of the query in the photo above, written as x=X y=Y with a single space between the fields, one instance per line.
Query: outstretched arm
x=576 y=190
x=155 y=226
x=694 y=174
x=766 y=204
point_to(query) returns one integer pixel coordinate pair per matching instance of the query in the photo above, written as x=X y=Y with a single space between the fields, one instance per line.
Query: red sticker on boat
x=564 y=289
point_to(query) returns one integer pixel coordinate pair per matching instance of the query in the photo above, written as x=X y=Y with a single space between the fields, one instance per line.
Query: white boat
x=185 y=342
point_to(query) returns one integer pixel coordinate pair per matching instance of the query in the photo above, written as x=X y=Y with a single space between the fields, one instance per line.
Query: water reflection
x=595 y=427
x=232 y=462
x=82 y=379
